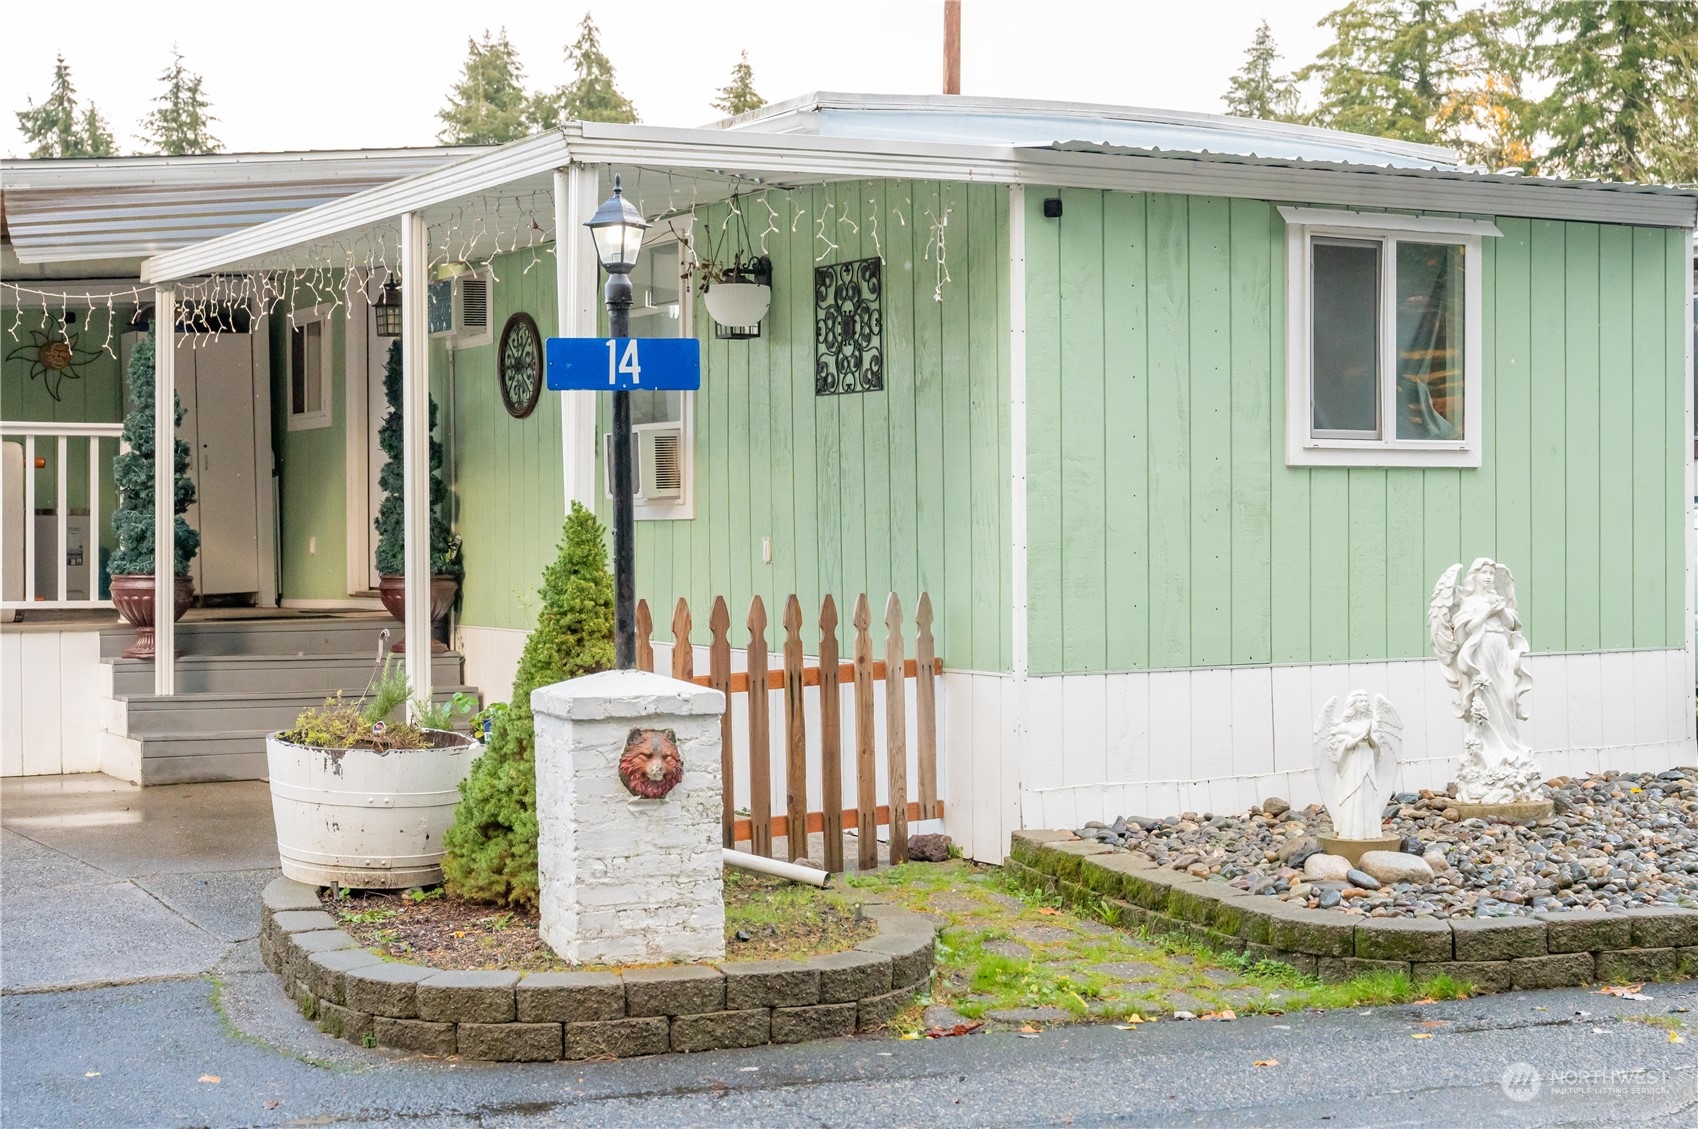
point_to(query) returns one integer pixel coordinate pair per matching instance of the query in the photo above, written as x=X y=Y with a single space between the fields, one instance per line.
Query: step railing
x=53 y=563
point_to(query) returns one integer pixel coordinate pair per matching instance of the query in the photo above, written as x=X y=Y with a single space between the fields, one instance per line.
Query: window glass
x=1345 y=327
x=1429 y=341
x=657 y=291
x=306 y=376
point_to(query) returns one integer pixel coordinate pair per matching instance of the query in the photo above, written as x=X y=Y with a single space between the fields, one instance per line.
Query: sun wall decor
x=54 y=357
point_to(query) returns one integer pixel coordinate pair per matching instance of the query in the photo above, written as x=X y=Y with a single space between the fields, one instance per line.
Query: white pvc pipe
x=777 y=869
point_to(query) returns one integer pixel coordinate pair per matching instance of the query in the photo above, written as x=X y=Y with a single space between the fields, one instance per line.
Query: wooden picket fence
x=794 y=678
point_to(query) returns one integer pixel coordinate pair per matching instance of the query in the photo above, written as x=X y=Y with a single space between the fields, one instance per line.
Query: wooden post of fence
x=760 y=754
x=831 y=738
x=683 y=655
x=795 y=734
x=896 y=729
x=925 y=706
x=719 y=677
x=866 y=764
x=645 y=644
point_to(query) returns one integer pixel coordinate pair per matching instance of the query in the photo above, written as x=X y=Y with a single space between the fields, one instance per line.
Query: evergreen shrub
x=492 y=847
x=132 y=471
x=391 y=515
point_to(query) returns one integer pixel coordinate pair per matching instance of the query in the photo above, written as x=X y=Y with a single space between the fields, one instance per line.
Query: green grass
x=1666 y=1022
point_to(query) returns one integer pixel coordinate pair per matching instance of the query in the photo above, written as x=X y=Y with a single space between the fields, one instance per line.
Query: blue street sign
x=623 y=364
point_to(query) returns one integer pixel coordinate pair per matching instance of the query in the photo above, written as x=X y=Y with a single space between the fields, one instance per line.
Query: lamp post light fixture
x=617 y=232
x=387 y=309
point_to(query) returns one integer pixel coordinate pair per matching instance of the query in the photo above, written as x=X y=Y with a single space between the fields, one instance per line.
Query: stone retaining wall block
x=683 y=990
x=1481 y=975
x=876 y=1011
x=300 y=947
x=1496 y=938
x=325 y=971
x=301 y=921
x=1403 y=938
x=385 y=989
x=344 y=1023
x=282 y=894
x=1585 y=930
x=770 y=983
x=1620 y=966
x=823 y=1021
x=468 y=997
x=1659 y=927
x=570 y=997
x=1314 y=931
x=910 y=955
x=616 y=1038
x=849 y=976
x=721 y=1030
x=510 y=1042
x=1559 y=970
x=414 y=1035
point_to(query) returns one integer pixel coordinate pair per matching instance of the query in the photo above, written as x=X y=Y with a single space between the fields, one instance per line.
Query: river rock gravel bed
x=1615 y=840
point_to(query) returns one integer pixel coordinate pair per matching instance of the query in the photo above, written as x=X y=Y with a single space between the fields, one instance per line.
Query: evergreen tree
x=58 y=128
x=181 y=122
x=1392 y=69
x=592 y=95
x=132 y=471
x=1621 y=107
x=488 y=106
x=1258 y=90
x=491 y=850
x=392 y=514
x=738 y=96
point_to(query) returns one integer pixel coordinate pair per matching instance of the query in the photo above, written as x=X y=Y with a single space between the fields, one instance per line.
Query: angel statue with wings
x=1356 y=751
x=1476 y=630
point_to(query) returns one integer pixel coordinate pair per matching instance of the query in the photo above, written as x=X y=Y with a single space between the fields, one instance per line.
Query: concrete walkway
x=133 y=996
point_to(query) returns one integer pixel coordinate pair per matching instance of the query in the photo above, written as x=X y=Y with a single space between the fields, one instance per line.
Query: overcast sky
x=352 y=74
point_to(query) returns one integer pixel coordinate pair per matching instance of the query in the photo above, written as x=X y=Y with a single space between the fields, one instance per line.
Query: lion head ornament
x=650 y=767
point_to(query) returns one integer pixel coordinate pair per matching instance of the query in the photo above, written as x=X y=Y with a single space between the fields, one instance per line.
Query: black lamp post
x=617 y=230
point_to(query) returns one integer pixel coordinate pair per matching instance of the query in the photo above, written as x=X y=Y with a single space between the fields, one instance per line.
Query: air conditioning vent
x=474 y=306
x=661 y=469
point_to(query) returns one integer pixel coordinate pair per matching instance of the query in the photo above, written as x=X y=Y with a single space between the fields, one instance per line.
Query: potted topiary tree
x=445 y=567
x=132 y=520
x=362 y=794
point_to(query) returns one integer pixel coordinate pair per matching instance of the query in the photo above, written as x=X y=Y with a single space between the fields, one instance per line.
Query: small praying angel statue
x=1356 y=748
x=1476 y=632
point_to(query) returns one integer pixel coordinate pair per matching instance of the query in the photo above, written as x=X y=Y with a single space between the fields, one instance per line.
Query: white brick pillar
x=626 y=878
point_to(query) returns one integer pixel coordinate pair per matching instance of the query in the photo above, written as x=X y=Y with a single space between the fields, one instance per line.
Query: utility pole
x=952 y=46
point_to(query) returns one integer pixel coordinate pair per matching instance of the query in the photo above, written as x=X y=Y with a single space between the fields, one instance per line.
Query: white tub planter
x=362 y=818
x=738 y=303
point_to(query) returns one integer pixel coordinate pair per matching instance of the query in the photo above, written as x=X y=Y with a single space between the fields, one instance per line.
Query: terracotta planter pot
x=132 y=595
x=392 y=590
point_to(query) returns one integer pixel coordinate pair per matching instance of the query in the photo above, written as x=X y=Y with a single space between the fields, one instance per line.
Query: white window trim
x=1304 y=449
x=309 y=421
x=674 y=233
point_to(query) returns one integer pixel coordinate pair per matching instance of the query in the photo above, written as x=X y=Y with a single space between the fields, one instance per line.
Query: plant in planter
x=445 y=566
x=492 y=846
x=361 y=795
x=133 y=520
x=736 y=286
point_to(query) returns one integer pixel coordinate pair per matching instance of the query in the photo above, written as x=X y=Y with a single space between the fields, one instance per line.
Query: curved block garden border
x=541 y=1016
x=1546 y=950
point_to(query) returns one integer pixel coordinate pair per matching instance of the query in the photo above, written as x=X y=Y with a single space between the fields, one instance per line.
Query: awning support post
x=164 y=491
x=415 y=459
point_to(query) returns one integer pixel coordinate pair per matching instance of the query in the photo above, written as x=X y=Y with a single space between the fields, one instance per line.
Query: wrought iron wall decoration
x=518 y=367
x=54 y=355
x=848 y=328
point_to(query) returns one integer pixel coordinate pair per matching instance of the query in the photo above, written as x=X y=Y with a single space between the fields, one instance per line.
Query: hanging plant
x=734 y=281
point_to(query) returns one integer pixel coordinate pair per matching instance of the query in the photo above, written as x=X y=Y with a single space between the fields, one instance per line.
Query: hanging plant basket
x=738 y=307
x=736 y=281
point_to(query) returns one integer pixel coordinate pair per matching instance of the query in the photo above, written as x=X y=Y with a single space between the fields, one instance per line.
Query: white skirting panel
x=491 y=659
x=1159 y=743
x=48 y=692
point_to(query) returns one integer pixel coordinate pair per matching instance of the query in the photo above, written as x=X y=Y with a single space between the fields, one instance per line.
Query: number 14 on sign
x=623 y=364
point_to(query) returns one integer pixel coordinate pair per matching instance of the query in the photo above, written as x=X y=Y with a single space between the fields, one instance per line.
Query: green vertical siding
x=507 y=475
x=1167 y=531
x=903 y=489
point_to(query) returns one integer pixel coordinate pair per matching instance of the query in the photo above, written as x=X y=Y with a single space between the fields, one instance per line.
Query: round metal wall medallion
x=519 y=366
